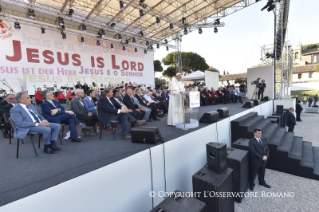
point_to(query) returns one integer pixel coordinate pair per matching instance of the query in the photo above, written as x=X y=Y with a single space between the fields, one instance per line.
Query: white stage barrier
x=125 y=185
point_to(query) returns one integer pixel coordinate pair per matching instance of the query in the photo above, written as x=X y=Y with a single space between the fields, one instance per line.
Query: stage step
x=277 y=137
x=286 y=142
x=250 y=123
x=246 y=117
x=296 y=148
x=261 y=124
x=315 y=151
x=270 y=131
x=307 y=154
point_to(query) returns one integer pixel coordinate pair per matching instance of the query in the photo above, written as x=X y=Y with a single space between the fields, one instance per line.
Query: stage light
x=126 y=41
x=113 y=25
x=200 y=31
x=171 y=27
x=157 y=46
x=167 y=48
x=119 y=37
x=142 y=34
x=217 y=22
x=70 y=12
x=271 y=7
x=112 y=46
x=185 y=31
x=122 y=5
x=63 y=35
x=98 y=43
x=61 y=22
x=158 y=21
x=215 y=30
x=101 y=32
x=145 y=51
x=135 y=49
x=83 y=28
x=165 y=41
x=147 y=43
x=82 y=39
x=267 y=55
x=42 y=31
x=123 y=48
x=133 y=40
x=63 y=27
x=31 y=14
x=141 y=14
x=184 y=21
x=17 y=26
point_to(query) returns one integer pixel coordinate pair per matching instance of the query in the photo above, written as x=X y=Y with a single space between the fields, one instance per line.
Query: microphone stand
x=5 y=83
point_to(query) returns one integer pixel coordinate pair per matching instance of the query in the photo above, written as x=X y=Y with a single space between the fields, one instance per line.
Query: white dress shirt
x=148 y=98
x=26 y=109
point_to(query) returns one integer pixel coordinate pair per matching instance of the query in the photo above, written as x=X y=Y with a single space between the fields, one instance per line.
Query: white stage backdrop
x=28 y=56
x=211 y=79
x=266 y=73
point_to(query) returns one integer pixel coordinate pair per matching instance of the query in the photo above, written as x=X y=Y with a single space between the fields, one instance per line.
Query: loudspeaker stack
x=223 y=112
x=209 y=117
x=149 y=135
x=211 y=181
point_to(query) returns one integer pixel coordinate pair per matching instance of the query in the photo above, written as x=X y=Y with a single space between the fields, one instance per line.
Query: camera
x=256 y=82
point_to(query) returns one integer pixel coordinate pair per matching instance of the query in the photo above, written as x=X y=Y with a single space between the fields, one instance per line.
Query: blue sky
x=236 y=46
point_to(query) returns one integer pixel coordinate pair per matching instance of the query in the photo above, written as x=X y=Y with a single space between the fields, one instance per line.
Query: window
x=299 y=76
x=310 y=75
x=297 y=55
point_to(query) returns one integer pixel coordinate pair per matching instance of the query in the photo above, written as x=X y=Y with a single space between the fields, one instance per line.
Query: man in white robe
x=175 y=110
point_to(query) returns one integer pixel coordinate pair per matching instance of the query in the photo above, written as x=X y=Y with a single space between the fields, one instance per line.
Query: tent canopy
x=195 y=76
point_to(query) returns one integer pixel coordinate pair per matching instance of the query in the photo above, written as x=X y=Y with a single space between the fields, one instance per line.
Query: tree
x=227 y=73
x=224 y=73
x=240 y=80
x=212 y=69
x=190 y=61
x=262 y=65
x=158 y=66
x=317 y=68
x=170 y=72
x=158 y=82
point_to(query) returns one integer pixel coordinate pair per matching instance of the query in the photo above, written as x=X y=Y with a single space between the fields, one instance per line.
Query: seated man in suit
x=141 y=107
x=259 y=154
x=160 y=100
x=55 y=113
x=129 y=102
x=109 y=109
x=88 y=102
x=27 y=119
x=139 y=96
x=203 y=97
x=96 y=97
x=38 y=96
x=78 y=107
x=149 y=97
x=6 y=112
x=165 y=96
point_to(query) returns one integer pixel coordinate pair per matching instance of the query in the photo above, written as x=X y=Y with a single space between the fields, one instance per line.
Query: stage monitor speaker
x=209 y=117
x=177 y=202
x=149 y=135
x=248 y=105
x=279 y=109
x=256 y=102
x=216 y=154
x=266 y=98
x=223 y=112
x=208 y=183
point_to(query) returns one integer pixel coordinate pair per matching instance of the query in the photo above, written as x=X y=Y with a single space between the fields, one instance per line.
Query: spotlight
x=165 y=41
x=98 y=43
x=31 y=14
x=185 y=31
x=42 y=31
x=145 y=51
x=70 y=13
x=112 y=46
x=183 y=20
x=123 y=48
x=141 y=14
x=82 y=39
x=126 y=41
x=17 y=26
x=122 y=5
x=157 y=46
x=135 y=49
x=142 y=34
x=200 y=31
x=158 y=21
x=61 y=22
x=269 y=6
x=63 y=27
x=147 y=43
x=133 y=40
x=166 y=48
x=83 y=28
x=119 y=37
x=112 y=25
x=63 y=35
x=101 y=33
x=171 y=27
x=217 y=22
x=215 y=30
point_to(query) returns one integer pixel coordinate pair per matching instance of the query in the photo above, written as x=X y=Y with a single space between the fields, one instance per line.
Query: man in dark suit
x=11 y=102
x=129 y=102
x=203 y=97
x=78 y=107
x=164 y=95
x=85 y=87
x=55 y=113
x=298 y=111
x=259 y=153
x=27 y=119
x=109 y=109
x=262 y=87
x=78 y=85
x=291 y=120
x=145 y=103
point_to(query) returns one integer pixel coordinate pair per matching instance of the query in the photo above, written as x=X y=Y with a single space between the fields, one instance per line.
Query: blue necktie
x=36 y=118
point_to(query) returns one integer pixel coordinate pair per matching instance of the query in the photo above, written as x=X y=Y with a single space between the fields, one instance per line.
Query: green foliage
x=317 y=68
x=240 y=80
x=158 y=66
x=190 y=61
x=224 y=73
x=227 y=72
x=170 y=72
x=262 y=65
x=158 y=82
x=310 y=46
x=212 y=69
x=300 y=93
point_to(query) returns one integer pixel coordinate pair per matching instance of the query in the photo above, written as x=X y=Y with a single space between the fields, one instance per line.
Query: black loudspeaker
x=210 y=186
x=279 y=109
x=248 y=105
x=238 y=161
x=266 y=98
x=315 y=106
x=256 y=102
x=209 y=117
x=241 y=143
x=223 y=112
x=177 y=202
x=216 y=154
x=149 y=135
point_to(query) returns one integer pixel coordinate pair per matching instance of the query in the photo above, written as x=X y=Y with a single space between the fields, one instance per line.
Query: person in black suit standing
x=298 y=110
x=259 y=153
x=262 y=87
x=291 y=120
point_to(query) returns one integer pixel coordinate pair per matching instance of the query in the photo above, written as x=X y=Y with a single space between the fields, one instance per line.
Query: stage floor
x=28 y=174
